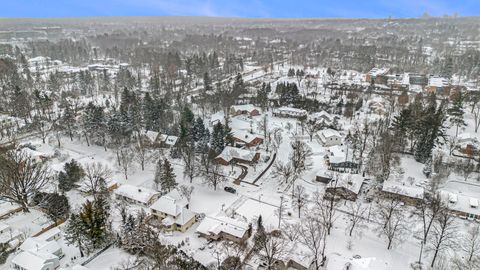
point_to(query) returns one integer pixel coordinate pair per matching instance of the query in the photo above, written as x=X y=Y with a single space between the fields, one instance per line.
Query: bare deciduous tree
x=21 y=177
x=392 y=223
x=126 y=157
x=312 y=234
x=356 y=212
x=186 y=192
x=443 y=235
x=216 y=176
x=300 y=198
x=284 y=171
x=96 y=175
x=470 y=243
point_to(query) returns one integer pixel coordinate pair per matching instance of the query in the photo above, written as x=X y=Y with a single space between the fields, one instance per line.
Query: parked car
x=230 y=189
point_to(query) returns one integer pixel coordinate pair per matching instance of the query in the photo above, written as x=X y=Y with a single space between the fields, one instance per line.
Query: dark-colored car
x=230 y=189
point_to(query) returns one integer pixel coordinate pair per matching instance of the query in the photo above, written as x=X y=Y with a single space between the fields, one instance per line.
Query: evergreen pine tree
x=168 y=177
x=198 y=130
x=158 y=174
x=457 y=112
x=218 y=138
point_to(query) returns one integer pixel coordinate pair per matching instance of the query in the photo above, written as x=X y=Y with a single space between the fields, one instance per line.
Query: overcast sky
x=239 y=8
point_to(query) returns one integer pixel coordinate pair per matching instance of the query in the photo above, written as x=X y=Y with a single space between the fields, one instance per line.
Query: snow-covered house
x=462 y=199
x=345 y=186
x=245 y=138
x=38 y=244
x=299 y=257
x=172 y=210
x=468 y=144
x=377 y=75
x=53 y=234
x=151 y=137
x=137 y=195
x=35 y=260
x=246 y=109
x=38 y=253
x=438 y=85
x=289 y=112
x=321 y=118
x=8 y=235
x=224 y=228
x=329 y=137
x=166 y=141
x=410 y=194
x=217 y=118
x=231 y=155
x=339 y=158
x=323 y=177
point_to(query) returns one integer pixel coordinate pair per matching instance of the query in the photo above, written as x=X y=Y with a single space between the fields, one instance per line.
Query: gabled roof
x=403 y=189
x=329 y=133
x=33 y=260
x=171 y=203
x=230 y=153
x=217 y=224
x=352 y=182
x=139 y=194
x=246 y=107
x=40 y=245
x=245 y=136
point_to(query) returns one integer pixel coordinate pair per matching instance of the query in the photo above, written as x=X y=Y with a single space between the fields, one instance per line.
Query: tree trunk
x=86 y=138
x=434 y=257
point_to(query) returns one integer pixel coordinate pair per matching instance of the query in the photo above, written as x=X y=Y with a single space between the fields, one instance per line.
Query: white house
x=33 y=260
x=221 y=227
x=138 y=195
x=321 y=118
x=172 y=210
x=329 y=137
x=9 y=235
x=36 y=244
x=462 y=198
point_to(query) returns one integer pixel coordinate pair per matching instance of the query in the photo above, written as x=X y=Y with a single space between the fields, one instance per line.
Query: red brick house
x=244 y=138
x=232 y=155
x=246 y=109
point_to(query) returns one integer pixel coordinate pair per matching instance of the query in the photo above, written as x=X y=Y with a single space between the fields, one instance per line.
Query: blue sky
x=238 y=8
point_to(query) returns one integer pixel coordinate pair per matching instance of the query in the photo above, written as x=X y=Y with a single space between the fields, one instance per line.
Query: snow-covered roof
x=321 y=115
x=30 y=260
x=40 y=245
x=467 y=137
x=438 y=82
x=245 y=135
x=7 y=233
x=217 y=224
x=290 y=111
x=230 y=153
x=378 y=71
x=151 y=135
x=171 y=203
x=171 y=140
x=138 y=194
x=461 y=196
x=184 y=217
x=403 y=189
x=352 y=182
x=244 y=107
x=330 y=133
x=337 y=154
x=298 y=253
x=49 y=234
